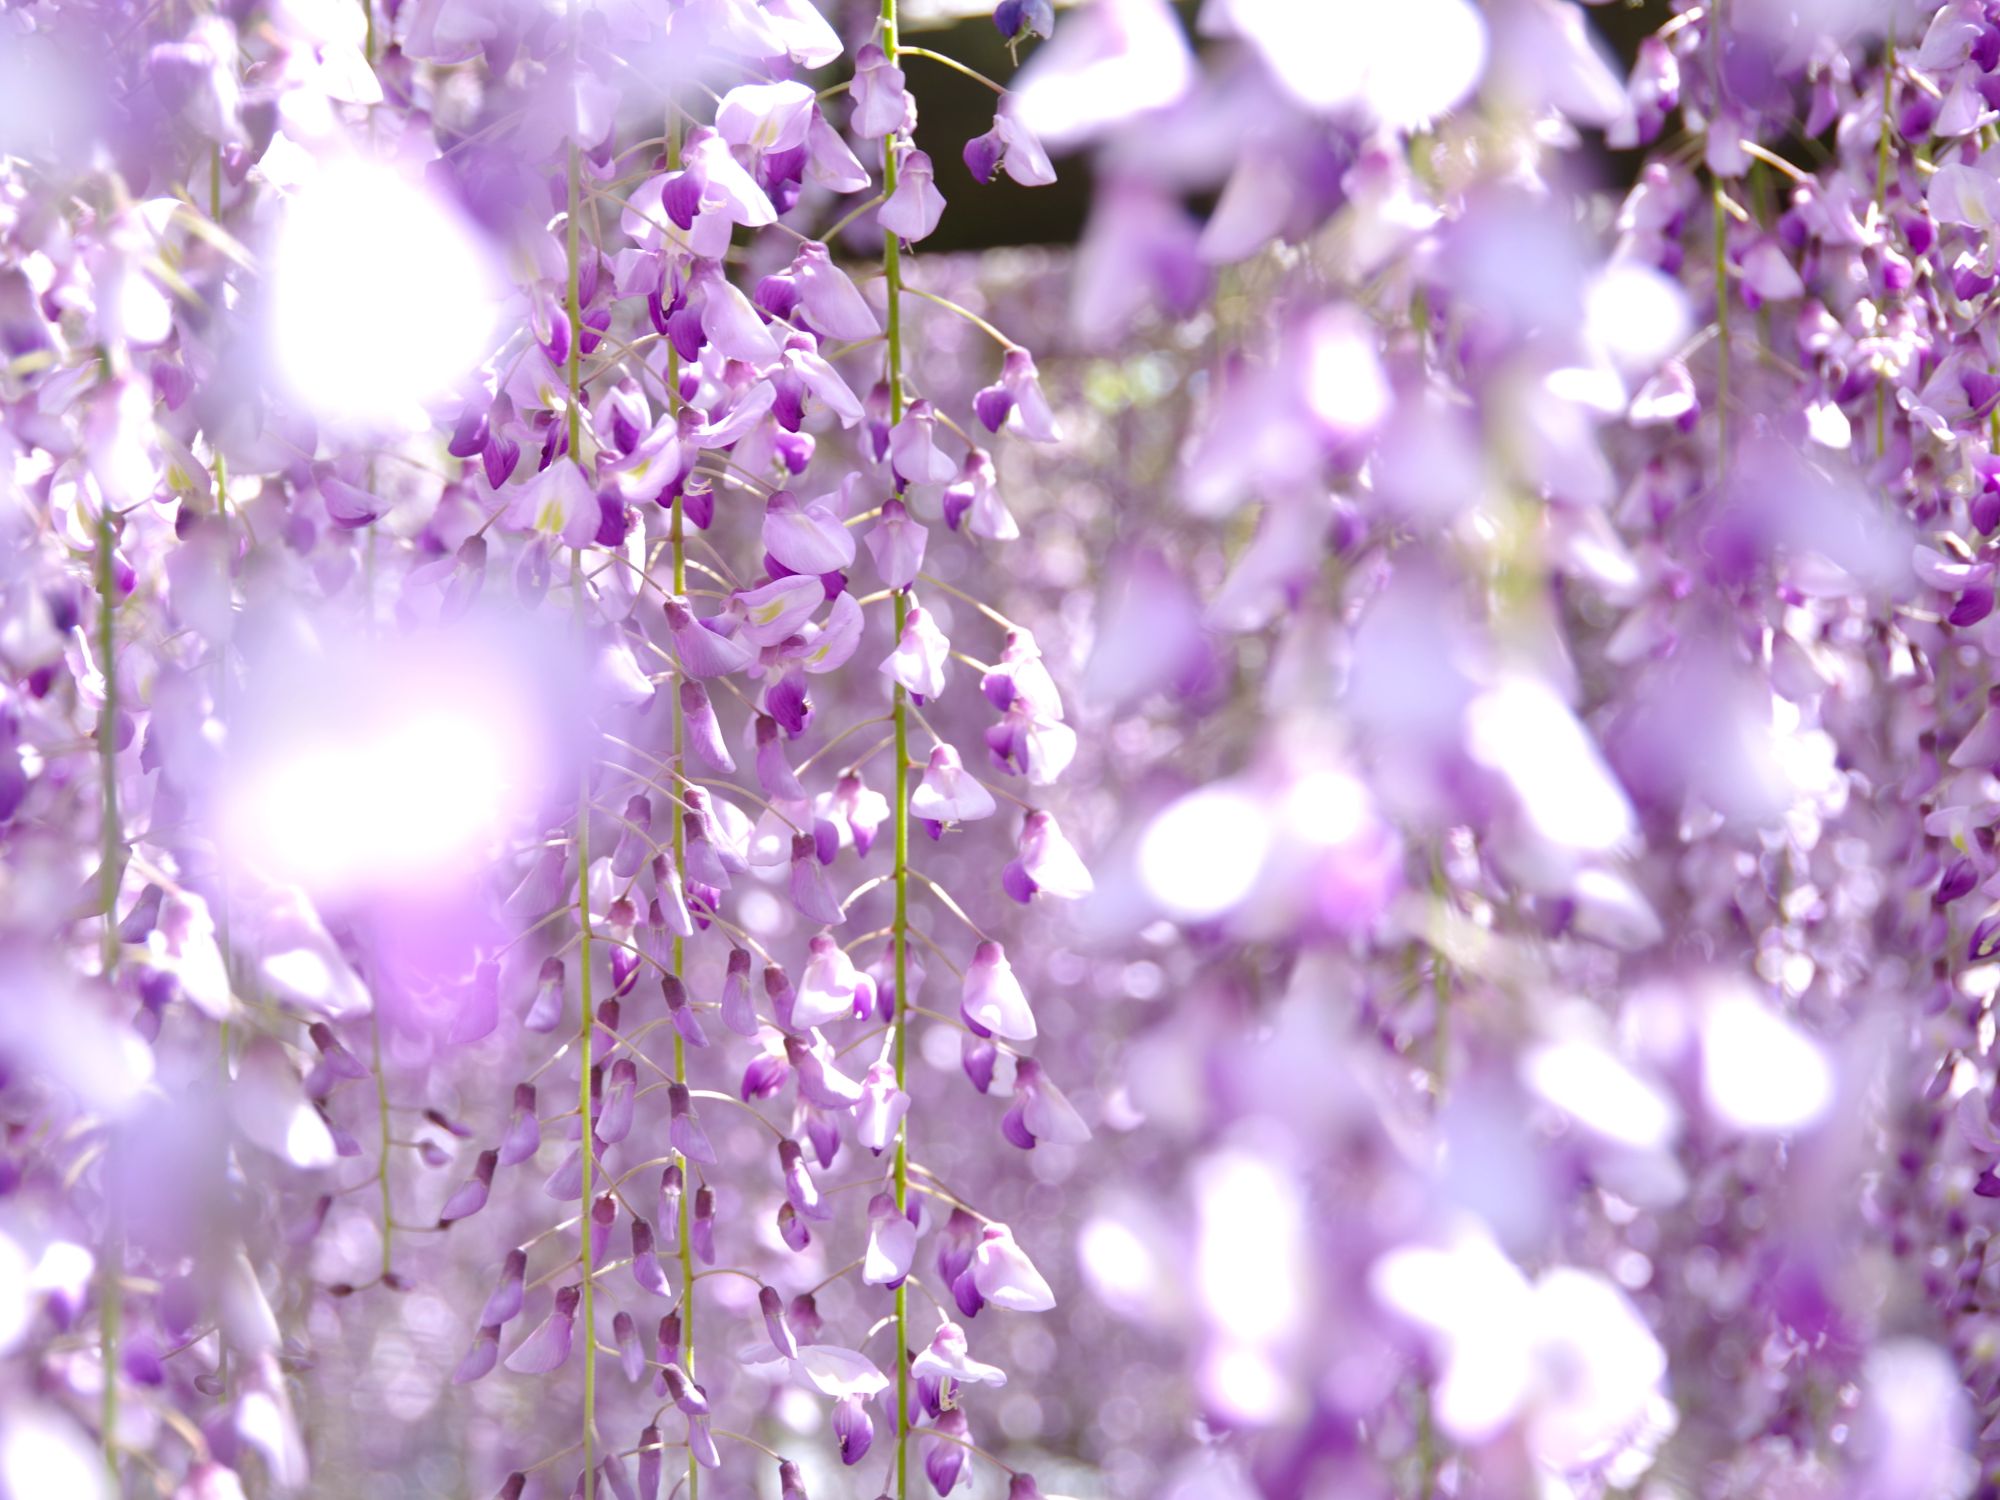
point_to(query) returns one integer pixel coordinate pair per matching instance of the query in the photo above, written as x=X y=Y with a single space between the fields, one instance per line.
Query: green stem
x=955 y=65
x=110 y=1312
x=1427 y=1451
x=110 y=1327
x=678 y=538
x=587 y=1025
x=966 y=313
x=112 y=858
x=892 y=273
x=1882 y=141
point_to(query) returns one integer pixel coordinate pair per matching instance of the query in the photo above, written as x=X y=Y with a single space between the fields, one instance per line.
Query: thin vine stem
x=892 y=272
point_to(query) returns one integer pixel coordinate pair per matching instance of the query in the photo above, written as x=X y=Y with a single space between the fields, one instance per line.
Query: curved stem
x=943 y=1190
x=723 y=1098
x=956 y=66
x=830 y=1280
x=971 y=1447
x=950 y=905
x=966 y=313
x=943 y=957
x=737 y=1437
x=832 y=231
x=848 y=733
x=958 y=593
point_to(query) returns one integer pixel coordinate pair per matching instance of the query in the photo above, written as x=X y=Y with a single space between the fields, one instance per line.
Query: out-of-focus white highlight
x=1476 y=1301
x=1404 y=63
x=1344 y=384
x=1601 y=1093
x=1105 y=64
x=1327 y=807
x=1121 y=1267
x=1637 y=315
x=423 y=789
x=386 y=768
x=1201 y=856
x=270 y=1107
x=44 y=1453
x=382 y=297
x=1597 y=1367
x=1568 y=1354
x=1250 y=1277
x=1522 y=730
x=1759 y=1071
